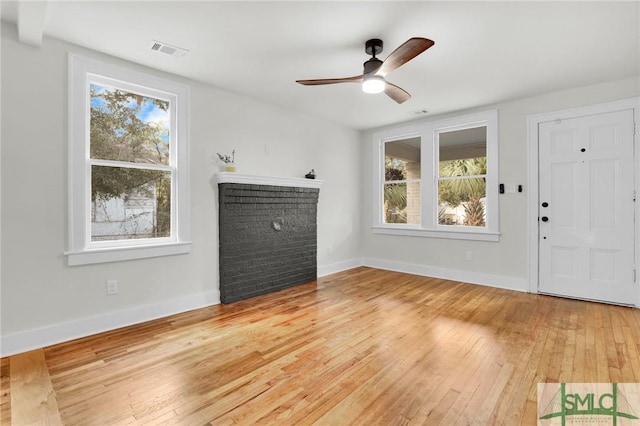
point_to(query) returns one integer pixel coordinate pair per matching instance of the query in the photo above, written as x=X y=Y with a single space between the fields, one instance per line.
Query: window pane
x=129 y=203
x=463 y=152
x=462 y=202
x=402 y=203
x=128 y=127
x=402 y=159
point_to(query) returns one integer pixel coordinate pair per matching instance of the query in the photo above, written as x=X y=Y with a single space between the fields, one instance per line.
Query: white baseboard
x=12 y=344
x=489 y=280
x=339 y=267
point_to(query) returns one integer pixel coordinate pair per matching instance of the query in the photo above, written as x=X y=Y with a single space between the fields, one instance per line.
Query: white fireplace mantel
x=231 y=177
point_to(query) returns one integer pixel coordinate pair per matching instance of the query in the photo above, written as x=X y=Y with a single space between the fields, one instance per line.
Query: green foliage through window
x=131 y=193
x=395 y=194
x=462 y=183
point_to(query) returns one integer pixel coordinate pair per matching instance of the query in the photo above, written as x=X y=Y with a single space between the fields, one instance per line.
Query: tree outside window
x=129 y=156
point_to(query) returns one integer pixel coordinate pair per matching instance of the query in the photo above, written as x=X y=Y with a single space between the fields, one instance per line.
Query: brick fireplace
x=268 y=234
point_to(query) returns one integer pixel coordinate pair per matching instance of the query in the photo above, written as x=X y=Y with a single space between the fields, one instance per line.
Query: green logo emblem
x=587 y=403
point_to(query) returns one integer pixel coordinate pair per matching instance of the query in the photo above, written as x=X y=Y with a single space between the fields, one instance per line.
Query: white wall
x=44 y=300
x=503 y=263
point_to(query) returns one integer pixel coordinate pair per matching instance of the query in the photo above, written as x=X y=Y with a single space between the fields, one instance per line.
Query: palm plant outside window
x=462 y=178
x=438 y=178
x=401 y=191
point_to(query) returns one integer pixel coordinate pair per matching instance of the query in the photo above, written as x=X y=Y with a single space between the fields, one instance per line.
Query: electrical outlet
x=112 y=287
x=469 y=255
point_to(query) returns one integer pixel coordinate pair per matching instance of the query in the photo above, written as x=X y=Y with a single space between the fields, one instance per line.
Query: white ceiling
x=485 y=52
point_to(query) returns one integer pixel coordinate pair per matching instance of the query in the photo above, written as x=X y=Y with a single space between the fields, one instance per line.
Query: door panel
x=586 y=174
x=562 y=197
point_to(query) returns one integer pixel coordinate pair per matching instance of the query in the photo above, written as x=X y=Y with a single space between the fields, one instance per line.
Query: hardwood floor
x=364 y=347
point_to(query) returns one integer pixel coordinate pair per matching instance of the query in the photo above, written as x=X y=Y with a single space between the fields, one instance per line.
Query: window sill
x=116 y=254
x=429 y=233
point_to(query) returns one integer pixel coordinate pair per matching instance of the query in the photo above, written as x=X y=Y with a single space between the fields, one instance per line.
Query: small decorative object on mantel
x=311 y=174
x=227 y=162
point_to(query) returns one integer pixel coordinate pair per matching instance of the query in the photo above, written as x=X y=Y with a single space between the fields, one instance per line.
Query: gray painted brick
x=255 y=258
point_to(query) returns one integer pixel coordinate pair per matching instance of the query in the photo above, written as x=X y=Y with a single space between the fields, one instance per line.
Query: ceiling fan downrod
x=372 y=47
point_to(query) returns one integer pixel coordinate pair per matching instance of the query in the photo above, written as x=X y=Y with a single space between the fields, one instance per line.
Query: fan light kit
x=373 y=84
x=373 y=77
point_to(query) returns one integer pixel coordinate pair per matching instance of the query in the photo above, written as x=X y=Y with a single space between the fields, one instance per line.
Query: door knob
x=545 y=219
x=545 y=204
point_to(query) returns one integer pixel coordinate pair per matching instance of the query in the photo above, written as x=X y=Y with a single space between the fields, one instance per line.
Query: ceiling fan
x=373 y=77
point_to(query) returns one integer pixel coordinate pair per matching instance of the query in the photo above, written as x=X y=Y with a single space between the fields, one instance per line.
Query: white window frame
x=429 y=133
x=83 y=71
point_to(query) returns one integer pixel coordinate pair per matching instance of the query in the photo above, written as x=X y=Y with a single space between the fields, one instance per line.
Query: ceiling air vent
x=168 y=49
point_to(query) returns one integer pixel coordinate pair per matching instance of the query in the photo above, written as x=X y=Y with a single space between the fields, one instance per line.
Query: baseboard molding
x=339 y=266
x=489 y=280
x=24 y=341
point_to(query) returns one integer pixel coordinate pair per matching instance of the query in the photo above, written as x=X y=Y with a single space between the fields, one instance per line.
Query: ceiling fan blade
x=354 y=79
x=396 y=93
x=404 y=53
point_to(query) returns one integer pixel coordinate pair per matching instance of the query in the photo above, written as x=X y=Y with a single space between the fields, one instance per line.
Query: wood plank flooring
x=361 y=347
x=30 y=382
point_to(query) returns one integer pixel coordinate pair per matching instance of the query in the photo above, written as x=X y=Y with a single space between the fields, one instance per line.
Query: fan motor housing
x=372 y=65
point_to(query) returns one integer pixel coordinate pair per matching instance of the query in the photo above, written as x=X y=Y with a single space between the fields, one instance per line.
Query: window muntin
x=461 y=181
x=401 y=189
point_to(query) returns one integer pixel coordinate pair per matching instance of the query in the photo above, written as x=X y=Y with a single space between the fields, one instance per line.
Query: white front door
x=586 y=208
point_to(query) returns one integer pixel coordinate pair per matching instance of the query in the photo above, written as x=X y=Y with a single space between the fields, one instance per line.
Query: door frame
x=533 y=122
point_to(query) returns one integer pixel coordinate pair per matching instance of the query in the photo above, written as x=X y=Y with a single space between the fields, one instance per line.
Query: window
x=462 y=182
x=459 y=197
x=402 y=181
x=128 y=182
